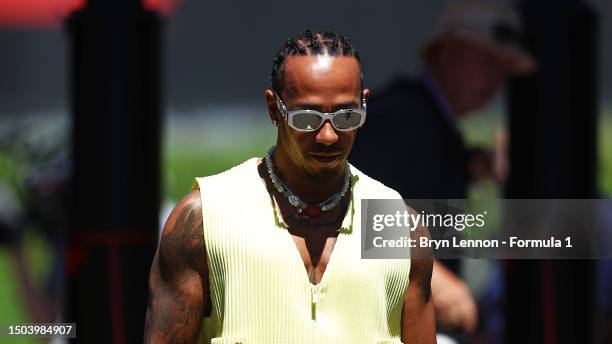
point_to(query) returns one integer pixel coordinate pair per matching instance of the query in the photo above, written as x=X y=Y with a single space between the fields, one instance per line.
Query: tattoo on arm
x=422 y=263
x=178 y=288
x=418 y=317
x=426 y=285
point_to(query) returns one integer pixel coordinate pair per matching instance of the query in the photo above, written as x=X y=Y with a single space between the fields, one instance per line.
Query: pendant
x=313 y=210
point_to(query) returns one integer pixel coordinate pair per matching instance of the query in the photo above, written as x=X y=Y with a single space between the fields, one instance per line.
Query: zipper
x=314 y=298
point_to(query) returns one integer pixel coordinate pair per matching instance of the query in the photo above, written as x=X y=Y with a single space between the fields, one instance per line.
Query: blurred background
x=183 y=82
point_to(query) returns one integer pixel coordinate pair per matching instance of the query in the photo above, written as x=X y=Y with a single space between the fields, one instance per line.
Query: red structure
x=51 y=14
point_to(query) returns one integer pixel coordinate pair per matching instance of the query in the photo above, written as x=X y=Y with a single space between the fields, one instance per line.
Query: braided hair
x=310 y=43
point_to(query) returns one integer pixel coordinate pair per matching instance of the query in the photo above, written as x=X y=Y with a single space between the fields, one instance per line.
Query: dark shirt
x=411 y=144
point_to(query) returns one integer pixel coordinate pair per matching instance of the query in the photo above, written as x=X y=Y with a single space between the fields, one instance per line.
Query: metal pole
x=116 y=105
x=553 y=118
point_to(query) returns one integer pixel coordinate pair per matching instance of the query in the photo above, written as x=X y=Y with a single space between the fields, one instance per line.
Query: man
x=415 y=119
x=247 y=256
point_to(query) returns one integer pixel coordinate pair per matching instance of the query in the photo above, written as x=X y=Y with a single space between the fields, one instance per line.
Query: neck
x=310 y=189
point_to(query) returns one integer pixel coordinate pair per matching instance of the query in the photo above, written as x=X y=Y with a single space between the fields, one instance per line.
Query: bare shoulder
x=182 y=241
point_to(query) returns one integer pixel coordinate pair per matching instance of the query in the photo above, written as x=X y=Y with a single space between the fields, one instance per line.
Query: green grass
x=605 y=152
x=12 y=310
x=184 y=159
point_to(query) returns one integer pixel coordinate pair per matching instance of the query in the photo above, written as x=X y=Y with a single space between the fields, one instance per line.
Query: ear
x=272 y=106
x=366 y=93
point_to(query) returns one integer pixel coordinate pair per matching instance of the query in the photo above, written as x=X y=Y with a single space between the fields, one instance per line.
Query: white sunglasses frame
x=289 y=114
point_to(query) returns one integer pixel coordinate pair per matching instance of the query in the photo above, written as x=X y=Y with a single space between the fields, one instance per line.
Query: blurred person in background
x=34 y=187
x=466 y=62
x=246 y=257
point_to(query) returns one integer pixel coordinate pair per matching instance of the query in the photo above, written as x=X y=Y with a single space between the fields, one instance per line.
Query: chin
x=323 y=172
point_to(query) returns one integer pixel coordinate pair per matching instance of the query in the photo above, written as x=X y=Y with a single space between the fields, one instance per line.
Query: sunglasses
x=310 y=120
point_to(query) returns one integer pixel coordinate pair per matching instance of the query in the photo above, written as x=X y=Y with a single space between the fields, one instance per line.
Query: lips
x=325 y=157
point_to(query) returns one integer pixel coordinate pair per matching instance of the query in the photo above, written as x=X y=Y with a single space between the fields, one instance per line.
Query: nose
x=327 y=134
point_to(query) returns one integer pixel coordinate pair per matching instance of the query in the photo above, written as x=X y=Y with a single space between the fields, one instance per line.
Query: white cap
x=492 y=26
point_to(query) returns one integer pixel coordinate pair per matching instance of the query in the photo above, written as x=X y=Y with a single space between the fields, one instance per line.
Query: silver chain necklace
x=310 y=209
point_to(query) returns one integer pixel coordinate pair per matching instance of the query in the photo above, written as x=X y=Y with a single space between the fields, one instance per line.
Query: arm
x=454 y=304
x=418 y=318
x=178 y=288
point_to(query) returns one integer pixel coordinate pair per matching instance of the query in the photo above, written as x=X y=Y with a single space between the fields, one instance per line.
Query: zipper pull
x=315 y=294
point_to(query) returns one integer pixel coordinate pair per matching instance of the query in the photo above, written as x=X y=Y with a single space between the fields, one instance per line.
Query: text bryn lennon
x=434 y=243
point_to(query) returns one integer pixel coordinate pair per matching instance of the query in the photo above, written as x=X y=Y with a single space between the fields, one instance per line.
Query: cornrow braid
x=310 y=43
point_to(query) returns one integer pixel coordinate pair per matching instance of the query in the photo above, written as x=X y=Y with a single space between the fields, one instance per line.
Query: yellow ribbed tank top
x=259 y=286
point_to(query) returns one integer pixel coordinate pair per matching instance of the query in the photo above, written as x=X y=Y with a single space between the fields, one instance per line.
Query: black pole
x=553 y=119
x=116 y=105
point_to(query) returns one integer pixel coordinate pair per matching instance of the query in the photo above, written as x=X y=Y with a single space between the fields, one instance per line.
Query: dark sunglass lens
x=347 y=120
x=306 y=120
